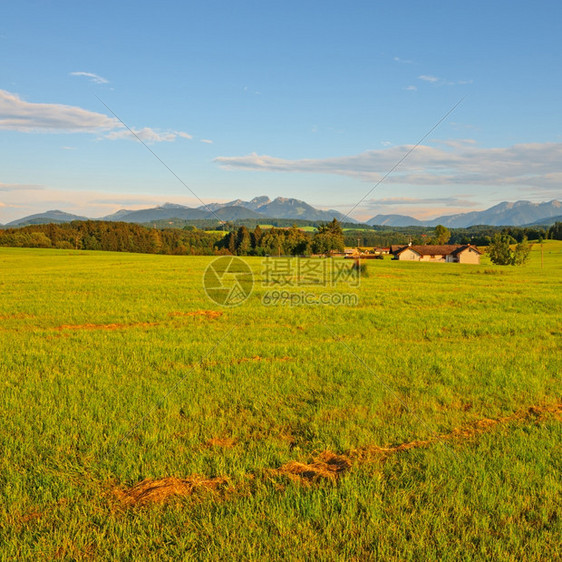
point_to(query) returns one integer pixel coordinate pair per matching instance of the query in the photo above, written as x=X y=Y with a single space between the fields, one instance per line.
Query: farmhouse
x=454 y=253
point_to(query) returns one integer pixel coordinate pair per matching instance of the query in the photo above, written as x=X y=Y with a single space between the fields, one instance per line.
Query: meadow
x=141 y=421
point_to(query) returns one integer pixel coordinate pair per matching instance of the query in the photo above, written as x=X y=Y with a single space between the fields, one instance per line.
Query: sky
x=455 y=106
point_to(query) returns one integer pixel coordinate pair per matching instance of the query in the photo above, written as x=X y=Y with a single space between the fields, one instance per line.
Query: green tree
x=442 y=234
x=256 y=237
x=328 y=238
x=243 y=241
x=555 y=231
x=500 y=251
x=231 y=241
x=522 y=252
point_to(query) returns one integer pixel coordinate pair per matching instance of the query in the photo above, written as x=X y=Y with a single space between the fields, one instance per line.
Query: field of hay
x=141 y=421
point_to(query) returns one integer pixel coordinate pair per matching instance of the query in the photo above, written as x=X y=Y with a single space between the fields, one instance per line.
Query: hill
x=546 y=222
x=54 y=216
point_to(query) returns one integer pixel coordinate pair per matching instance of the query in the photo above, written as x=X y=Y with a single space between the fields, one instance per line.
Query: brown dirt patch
x=106 y=326
x=258 y=358
x=31 y=516
x=16 y=316
x=222 y=442
x=163 y=489
x=205 y=313
x=327 y=466
x=484 y=424
x=465 y=432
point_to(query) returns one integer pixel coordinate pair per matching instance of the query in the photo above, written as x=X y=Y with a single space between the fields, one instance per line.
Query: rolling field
x=141 y=421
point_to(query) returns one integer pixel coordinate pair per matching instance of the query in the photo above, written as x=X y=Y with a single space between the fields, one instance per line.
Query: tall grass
x=105 y=380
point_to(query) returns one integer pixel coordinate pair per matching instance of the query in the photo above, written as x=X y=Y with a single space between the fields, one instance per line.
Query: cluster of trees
x=113 y=237
x=555 y=231
x=129 y=237
x=520 y=233
x=378 y=237
x=283 y=241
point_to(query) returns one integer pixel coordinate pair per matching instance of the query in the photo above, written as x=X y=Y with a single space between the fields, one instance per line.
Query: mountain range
x=258 y=208
x=517 y=213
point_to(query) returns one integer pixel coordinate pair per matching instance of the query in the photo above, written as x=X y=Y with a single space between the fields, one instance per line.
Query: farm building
x=453 y=253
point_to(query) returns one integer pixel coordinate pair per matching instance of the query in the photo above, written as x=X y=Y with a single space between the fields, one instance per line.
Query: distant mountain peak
x=260 y=200
x=506 y=213
x=172 y=206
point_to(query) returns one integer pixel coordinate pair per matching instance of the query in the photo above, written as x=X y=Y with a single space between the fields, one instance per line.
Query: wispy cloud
x=207 y=141
x=27 y=117
x=402 y=61
x=430 y=201
x=19 y=187
x=411 y=88
x=90 y=203
x=91 y=76
x=428 y=78
x=536 y=164
x=19 y=115
x=455 y=143
x=147 y=135
x=248 y=91
x=443 y=81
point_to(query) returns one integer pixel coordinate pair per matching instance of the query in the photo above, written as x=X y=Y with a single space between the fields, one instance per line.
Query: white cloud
x=442 y=81
x=455 y=143
x=90 y=203
x=19 y=187
x=536 y=164
x=27 y=117
x=19 y=115
x=207 y=141
x=92 y=77
x=411 y=88
x=147 y=135
x=431 y=201
x=403 y=61
x=428 y=78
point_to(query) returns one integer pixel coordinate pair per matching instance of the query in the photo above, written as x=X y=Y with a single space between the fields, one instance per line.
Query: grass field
x=140 y=421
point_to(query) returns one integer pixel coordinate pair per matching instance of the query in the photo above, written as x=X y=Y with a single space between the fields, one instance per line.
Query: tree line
x=330 y=237
x=112 y=237
x=283 y=241
x=130 y=237
x=478 y=235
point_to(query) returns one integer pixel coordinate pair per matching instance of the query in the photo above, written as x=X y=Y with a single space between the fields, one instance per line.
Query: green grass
x=429 y=348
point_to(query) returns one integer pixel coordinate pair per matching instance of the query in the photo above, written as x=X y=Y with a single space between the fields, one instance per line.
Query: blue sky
x=313 y=100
